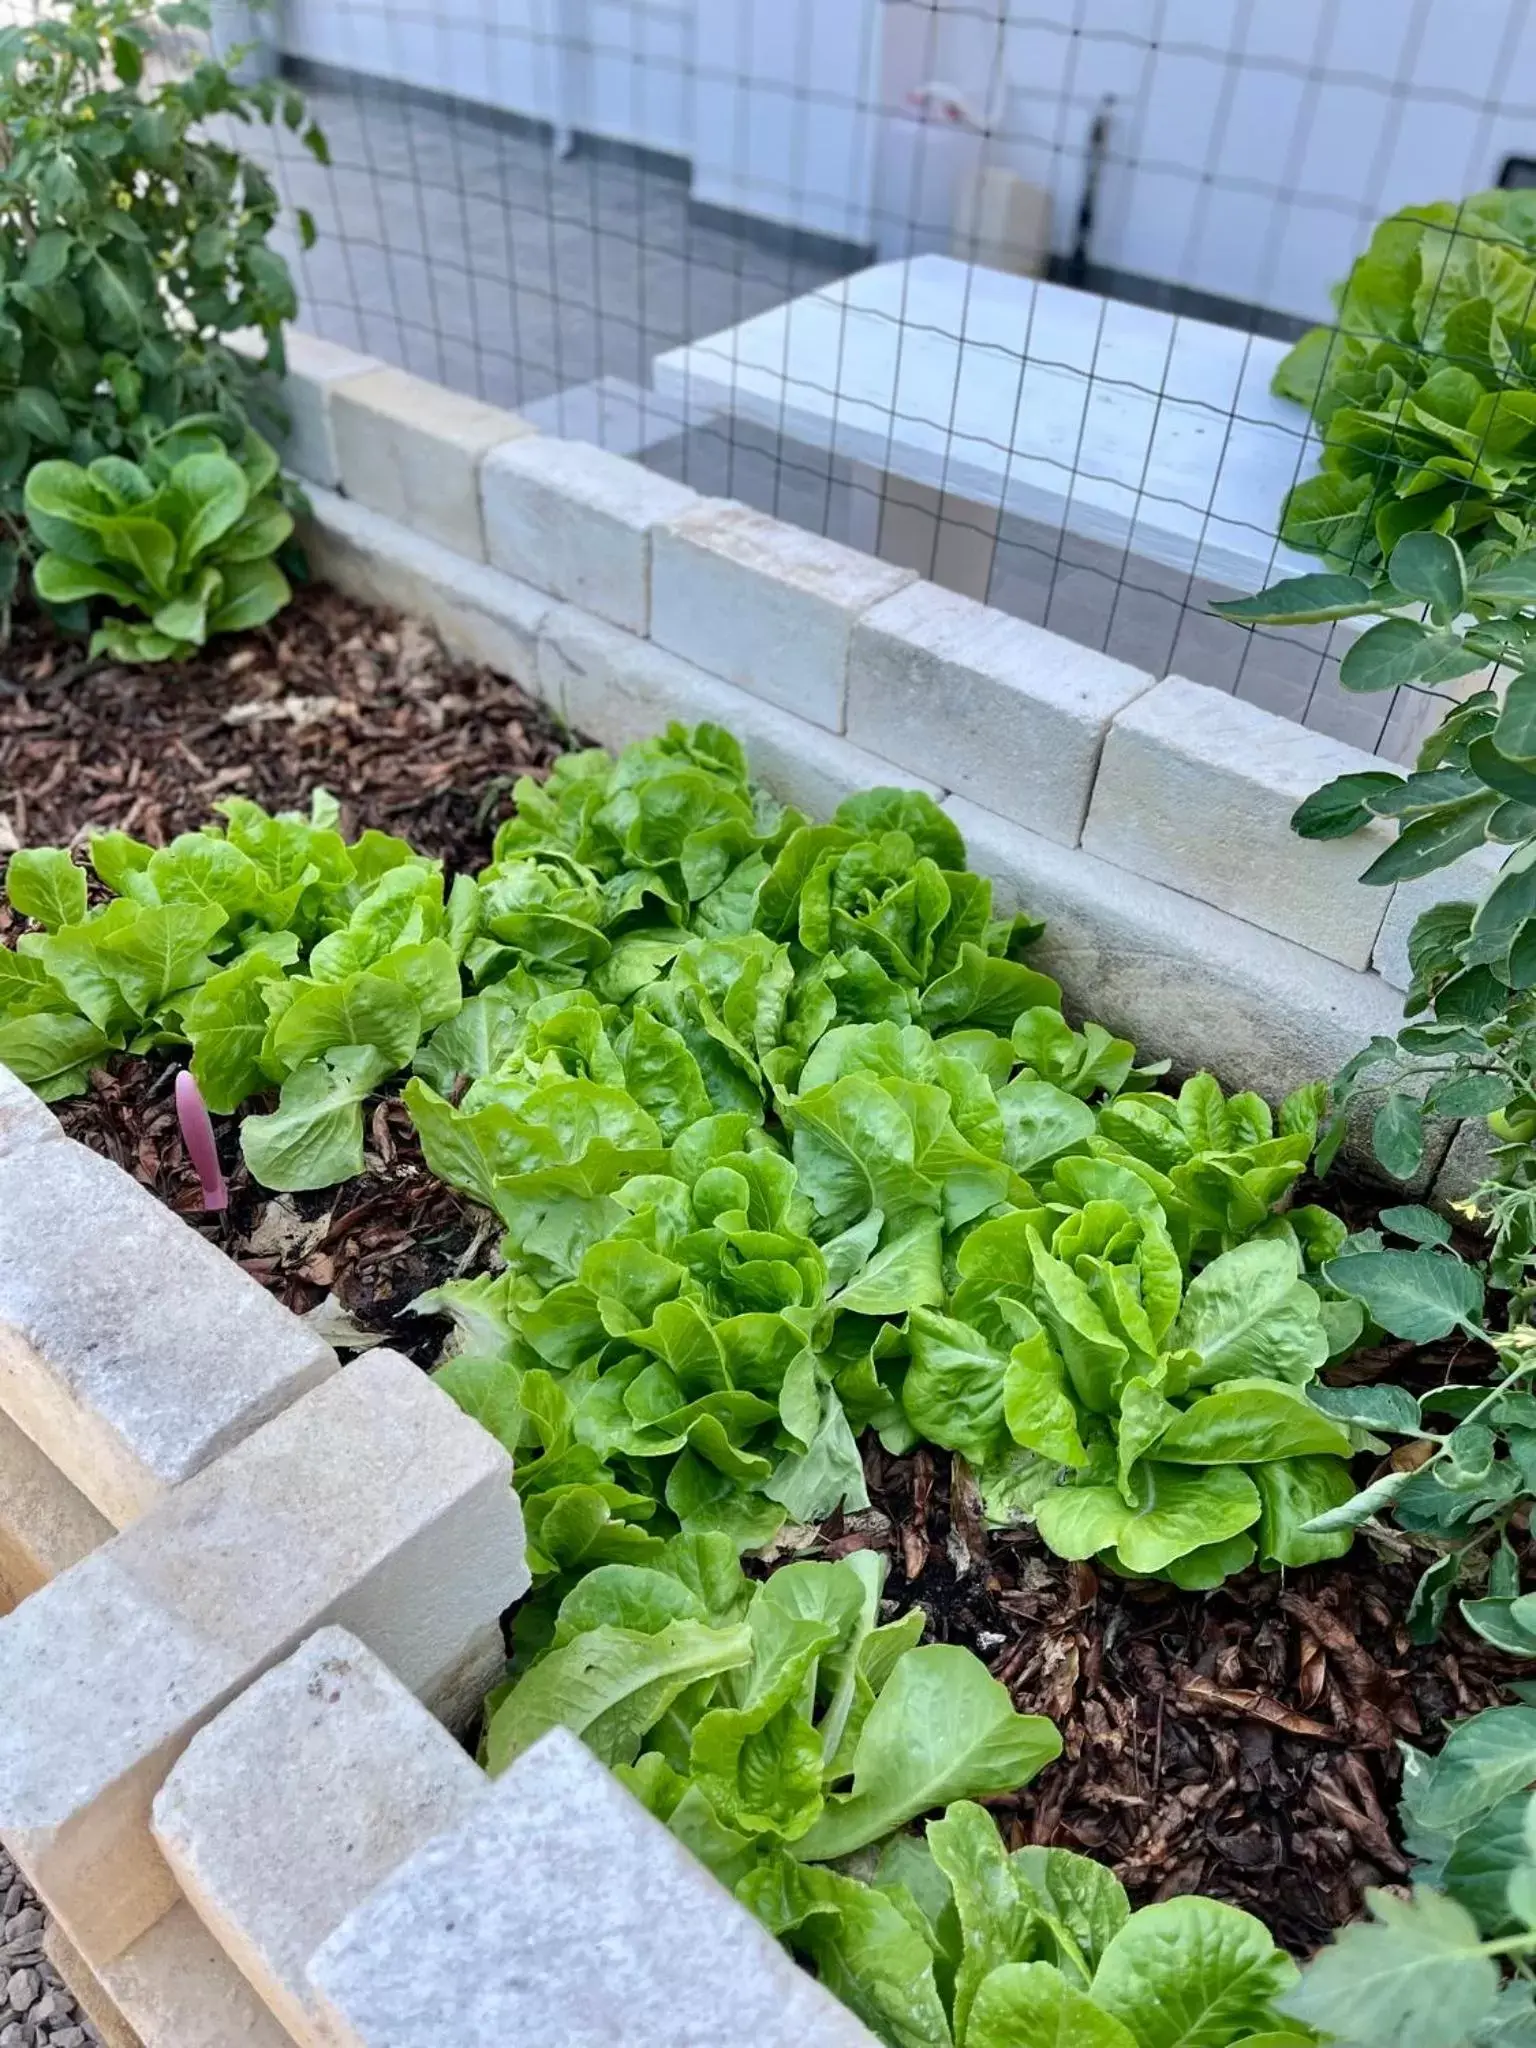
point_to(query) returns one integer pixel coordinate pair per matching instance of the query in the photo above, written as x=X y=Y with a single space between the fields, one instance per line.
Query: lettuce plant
x=1421 y=390
x=952 y=1942
x=759 y=1717
x=786 y=1142
x=278 y=952
x=186 y=541
x=788 y=1738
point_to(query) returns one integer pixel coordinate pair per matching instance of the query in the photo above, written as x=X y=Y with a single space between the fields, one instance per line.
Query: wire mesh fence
x=994 y=290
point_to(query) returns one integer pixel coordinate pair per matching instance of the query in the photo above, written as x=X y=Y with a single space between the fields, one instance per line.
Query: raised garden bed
x=1238 y=1743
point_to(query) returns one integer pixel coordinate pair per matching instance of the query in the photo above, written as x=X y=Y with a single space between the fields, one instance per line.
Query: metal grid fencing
x=995 y=290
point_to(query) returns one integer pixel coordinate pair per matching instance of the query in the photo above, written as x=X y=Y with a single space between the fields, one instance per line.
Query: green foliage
x=1477 y=1471
x=186 y=541
x=135 y=244
x=760 y=1717
x=279 y=953
x=955 y=1943
x=1423 y=1971
x=1469 y=1046
x=1422 y=396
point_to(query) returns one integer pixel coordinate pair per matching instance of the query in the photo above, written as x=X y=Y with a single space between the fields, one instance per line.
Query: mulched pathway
x=1239 y=1743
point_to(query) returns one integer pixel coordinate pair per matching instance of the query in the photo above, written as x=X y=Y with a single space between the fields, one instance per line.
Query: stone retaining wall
x=249 y=1594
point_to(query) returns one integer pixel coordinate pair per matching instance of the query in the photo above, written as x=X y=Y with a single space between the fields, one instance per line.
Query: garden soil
x=1241 y=1743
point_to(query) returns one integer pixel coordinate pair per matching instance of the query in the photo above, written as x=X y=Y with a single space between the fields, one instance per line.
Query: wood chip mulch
x=330 y=694
x=1240 y=1743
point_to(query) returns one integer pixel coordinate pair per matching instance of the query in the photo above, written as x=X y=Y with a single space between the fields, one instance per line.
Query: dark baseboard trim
x=656 y=163
x=802 y=245
x=1181 y=299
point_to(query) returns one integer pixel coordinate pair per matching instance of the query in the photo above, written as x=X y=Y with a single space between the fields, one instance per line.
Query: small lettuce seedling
x=186 y=542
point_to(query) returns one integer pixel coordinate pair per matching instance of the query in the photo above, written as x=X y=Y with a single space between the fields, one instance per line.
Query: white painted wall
x=1253 y=142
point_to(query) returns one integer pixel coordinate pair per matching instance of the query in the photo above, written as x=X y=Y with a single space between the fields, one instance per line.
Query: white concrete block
x=563 y=1916
x=995 y=709
x=46 y=1525
x=1467 y=880
x=290 y=1806
x=89 y=1995
x=132 y=1351
x=24 y=1120
x=613 y=688
x=1196 y=789
x=767 y=606
x=1467 y=1165
x=479 y=613
x=373 y=1503
x=412 y=450
x=175 y=1988
x=1184 y=980
x=315 y=368
x=577 y=522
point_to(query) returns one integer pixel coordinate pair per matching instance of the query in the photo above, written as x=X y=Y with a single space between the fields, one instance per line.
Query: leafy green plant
x=754 y=1717
x=135 y=243
x=1475 y=1472
x=1424 y=1972
x=187 y=541
x=786 y=1143
x=198 y=947
x=1469 y=1048
x=955 y=1943
x=1424 y=391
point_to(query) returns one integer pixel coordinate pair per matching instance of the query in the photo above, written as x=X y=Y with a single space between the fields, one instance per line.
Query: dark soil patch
x=331 y=694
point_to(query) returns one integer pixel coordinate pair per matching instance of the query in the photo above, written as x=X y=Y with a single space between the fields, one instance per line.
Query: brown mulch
x=330 y=694
x=1240 y=1743
x=368 y=1246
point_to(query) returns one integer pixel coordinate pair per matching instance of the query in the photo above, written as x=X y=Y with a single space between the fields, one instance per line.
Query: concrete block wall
x=246 y=1617
x=1156 y=815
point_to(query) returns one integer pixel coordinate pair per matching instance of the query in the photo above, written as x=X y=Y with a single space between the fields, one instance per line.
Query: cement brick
x=577 y=522
x=46 y=1525
x=563 y=1916
x=373 y=1503
x=479 y=614
x=24 y=1120
x=305 y=1793
x=614 y=688
x=767 y=606
x=87 y=1987
x=1467 y=880
x=995 y=709
x=1196 y=789
x=132 y=1351
x=172 y=1988
x=412 y=450
x=1466 y=1166
x=316 y=368
x=1182 y=979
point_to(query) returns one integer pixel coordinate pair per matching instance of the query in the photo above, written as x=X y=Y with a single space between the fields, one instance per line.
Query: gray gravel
x=37 y=2008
